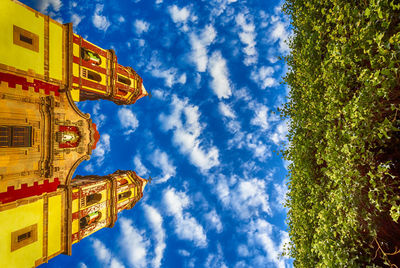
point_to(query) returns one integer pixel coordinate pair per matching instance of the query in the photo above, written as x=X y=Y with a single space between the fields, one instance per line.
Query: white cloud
x=160 y=159
x=141 y=26
x=89 y=168
x=99 y=21
x=260 y=234
x=121 y=19
x=169 y=75
x=216 y=259
x=82 y=265
x=102 y=148
x=280 y=133
x=184 y=122
x=179 y=15
x=133 y=243
x=199 y=44
x=76 y=19
x=43 y=5
x=128 y=120
x=98 y=118
x=246 y=198
x=220 y=83
x=184 y=252
x=156 y=222
x=280 y=192
x=259 y=149
x=214 y=220
x=280 y=33
x=182 y=79
x=264 y=77
x=261 y=118
x=247 y=36
x=158 y=2
x=186 y=226
x=104 y=255
x=140 y=169
x=226 y=110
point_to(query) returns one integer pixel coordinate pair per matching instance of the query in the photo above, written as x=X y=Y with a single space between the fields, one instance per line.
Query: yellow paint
x=54 y=225
x=76 y=50
x=15 y=219
x=75 y=205
x=75 y=94
x=16 y=56
x=75 y=226
x=75 y=70
x=55 y=50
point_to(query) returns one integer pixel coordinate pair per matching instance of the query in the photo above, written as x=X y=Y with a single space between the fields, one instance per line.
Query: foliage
x=344 y=139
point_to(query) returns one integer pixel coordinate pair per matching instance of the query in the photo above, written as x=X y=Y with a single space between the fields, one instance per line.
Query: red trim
x=75 y=39
x=90 y=84
x=75 y=195
x=27 y=191
x=74 y=237
x=121 y=70
x=123 y=86
x=69 y=144
x=90 y=65
x=88 y=45
x=14 y=80
x=96 y=136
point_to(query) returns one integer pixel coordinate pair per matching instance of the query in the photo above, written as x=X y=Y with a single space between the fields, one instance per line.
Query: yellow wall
x=13 y=55
x=55 y=224
x=55 y=50
x=18 y=218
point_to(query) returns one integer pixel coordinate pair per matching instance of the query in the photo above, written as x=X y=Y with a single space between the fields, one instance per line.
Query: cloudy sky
x=208 y=137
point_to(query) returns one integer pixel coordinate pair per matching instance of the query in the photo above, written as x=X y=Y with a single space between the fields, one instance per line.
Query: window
x=90 y=56
x=91 y=75
x=25 y=39
x=23 y=237
x=124 y=195
x=15 y=136
x=89 y=219
x=93 y=199
x=124 y=80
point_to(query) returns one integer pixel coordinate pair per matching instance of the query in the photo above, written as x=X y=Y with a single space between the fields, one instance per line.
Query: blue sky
x=208 y=137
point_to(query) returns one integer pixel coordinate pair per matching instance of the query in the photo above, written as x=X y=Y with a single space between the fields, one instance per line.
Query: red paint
x=14 y=80
x=90 y=84
x=86 y=44
x=27 y=191
x=75 y=195
x=121 y=70
x=69 y=144
x=96 y=136
x=89 y=65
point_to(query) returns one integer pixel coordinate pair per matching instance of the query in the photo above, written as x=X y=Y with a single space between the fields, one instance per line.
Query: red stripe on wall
x=90 y=84
x=27 y=191
x=93 y=48
x=14 y=80
x=90 y=66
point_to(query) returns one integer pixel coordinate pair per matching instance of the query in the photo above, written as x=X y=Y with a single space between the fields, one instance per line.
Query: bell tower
x=96 y=201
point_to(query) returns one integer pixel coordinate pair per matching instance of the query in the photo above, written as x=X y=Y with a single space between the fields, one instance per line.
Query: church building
x=44 y=69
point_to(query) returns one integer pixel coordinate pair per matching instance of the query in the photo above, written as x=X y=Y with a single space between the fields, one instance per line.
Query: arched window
x=93 y=199
x=124 y=80
x=91 y=75
x=89 y=219
x=124 y=195
x=90 y=56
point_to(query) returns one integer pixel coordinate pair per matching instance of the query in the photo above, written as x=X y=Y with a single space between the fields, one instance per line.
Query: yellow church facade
x=44 y=69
